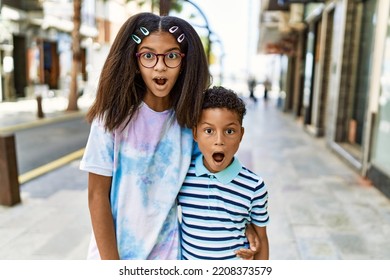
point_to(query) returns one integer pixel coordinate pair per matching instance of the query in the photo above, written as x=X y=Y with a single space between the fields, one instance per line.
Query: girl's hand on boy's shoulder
x=245 y=254
x=253 y=238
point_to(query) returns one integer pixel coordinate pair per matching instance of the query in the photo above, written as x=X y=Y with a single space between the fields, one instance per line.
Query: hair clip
x=136 y=38
x=181 y=38
x=173 y=29
x=144 y=30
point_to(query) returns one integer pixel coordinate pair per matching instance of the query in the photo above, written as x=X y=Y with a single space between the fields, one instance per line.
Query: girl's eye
x=171 y=55
x=149 y=55
x=230 y=131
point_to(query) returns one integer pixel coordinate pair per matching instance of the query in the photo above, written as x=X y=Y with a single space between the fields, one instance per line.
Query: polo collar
x=225 y=176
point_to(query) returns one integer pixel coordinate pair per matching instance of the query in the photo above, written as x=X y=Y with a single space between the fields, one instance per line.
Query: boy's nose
x=219 y=139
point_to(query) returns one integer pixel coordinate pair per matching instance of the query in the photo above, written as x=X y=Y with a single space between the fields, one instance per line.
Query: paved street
x=320 y=208
x=41 y=145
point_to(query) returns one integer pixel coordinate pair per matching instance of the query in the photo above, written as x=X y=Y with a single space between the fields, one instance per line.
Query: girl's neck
x=158 y=104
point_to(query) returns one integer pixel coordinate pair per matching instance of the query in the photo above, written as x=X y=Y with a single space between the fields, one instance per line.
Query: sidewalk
x=23 y=113
x=52 y=221
x=319 y=207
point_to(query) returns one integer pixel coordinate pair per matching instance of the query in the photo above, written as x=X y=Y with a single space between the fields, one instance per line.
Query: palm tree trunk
x=165 y=6
x=76 y=38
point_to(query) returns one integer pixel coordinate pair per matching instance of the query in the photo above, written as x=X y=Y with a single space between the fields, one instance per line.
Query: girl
x=140 y=143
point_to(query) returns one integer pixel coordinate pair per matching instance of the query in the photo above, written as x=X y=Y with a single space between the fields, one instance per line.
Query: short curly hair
x=220 y=97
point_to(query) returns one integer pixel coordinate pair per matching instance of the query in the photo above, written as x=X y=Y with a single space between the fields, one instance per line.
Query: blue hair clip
x=144 y=30
x=136 y=38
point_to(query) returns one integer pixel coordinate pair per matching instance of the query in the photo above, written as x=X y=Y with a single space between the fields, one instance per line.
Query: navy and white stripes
x=215 y=213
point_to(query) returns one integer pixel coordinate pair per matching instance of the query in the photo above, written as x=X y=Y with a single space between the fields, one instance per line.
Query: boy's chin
x=216 y=167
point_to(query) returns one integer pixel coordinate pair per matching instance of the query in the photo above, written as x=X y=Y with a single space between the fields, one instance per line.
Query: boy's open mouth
x=218 y=157
x=160 y=82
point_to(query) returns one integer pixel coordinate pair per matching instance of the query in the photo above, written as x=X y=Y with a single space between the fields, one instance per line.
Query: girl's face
x=159 y=79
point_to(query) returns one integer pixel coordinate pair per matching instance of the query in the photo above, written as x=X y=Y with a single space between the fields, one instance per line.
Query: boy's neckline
x=224 y=176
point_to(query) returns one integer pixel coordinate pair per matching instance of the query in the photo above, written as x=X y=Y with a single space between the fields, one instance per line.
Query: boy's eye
x=208 y=131
x=230 y=131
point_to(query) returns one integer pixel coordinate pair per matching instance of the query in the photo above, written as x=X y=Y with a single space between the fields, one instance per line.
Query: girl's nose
x=160 y=66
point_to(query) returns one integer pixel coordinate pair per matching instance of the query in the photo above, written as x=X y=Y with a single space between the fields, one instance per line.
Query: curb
x=61 y=116
x=40 y=122
x=30 y=175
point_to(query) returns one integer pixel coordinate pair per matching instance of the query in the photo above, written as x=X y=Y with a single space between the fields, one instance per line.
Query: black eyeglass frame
x=139 y=54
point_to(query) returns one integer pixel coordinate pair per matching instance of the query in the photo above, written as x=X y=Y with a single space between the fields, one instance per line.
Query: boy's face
x=218 y=134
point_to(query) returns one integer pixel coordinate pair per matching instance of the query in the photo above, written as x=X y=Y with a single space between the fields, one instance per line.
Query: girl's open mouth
x=160 y=82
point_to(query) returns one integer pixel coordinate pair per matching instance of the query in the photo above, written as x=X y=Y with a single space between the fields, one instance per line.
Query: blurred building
x=35 y=43
x=334 y=65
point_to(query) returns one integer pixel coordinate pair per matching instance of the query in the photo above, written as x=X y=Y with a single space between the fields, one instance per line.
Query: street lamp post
x=209 y=40
x=206 y=26
x=220 y=59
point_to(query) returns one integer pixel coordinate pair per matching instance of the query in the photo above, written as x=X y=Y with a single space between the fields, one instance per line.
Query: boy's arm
x=263 y=254
x=100 y=210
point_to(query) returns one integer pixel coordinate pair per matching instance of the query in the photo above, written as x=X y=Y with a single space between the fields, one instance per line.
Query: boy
x=219 y=196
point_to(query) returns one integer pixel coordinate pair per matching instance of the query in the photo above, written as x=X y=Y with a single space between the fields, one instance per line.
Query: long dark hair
x=121 y=90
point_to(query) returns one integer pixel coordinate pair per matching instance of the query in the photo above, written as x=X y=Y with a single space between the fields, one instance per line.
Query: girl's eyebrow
x=153 y=50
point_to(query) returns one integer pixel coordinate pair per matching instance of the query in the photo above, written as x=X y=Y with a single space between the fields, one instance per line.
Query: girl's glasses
x=150 y=59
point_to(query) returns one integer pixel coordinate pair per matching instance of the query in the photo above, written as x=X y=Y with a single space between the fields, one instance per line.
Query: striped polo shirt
x=216 y=207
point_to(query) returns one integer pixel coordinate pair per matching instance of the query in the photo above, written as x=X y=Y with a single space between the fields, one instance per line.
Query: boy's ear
x=194 y=134
x=242 y=132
